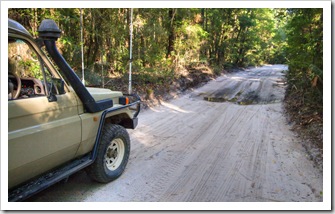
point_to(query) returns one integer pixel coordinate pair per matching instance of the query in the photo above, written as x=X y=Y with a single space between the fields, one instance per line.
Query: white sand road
x=237 y=149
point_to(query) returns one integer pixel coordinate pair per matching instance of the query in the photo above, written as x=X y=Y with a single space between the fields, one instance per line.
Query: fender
x=33 y=187
x=103 y=117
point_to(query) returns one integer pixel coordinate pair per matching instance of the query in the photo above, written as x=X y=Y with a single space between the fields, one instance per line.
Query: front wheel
x=112 y=154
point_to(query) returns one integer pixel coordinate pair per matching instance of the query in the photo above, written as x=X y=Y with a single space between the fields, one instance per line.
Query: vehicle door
x=44 y=129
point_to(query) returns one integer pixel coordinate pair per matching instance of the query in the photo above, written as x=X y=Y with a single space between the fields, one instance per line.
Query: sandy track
x=190 y=149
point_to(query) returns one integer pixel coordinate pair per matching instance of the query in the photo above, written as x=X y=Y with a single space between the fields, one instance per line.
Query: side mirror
x=55 y=87
x=58 y=85
x=52 y=98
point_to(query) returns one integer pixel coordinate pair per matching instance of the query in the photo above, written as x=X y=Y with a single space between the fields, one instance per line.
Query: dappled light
x=174 y=108
x=238 y=78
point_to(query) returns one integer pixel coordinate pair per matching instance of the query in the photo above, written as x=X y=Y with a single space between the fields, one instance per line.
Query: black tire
x=112 y=154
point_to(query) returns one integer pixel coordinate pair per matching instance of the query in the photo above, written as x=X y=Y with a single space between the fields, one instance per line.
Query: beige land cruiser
x=56 y=125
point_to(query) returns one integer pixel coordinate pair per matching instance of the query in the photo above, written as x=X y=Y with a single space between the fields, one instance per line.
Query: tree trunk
x=170 y=48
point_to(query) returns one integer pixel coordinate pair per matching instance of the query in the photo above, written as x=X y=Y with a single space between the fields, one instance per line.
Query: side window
x=28 y=77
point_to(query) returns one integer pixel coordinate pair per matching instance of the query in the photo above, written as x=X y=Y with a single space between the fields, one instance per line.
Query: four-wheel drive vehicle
x=56 y=125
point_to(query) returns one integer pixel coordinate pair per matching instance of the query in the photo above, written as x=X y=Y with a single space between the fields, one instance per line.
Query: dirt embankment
x=307 y=122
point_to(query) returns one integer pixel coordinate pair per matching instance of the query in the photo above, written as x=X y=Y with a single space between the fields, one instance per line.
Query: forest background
x=177 y=48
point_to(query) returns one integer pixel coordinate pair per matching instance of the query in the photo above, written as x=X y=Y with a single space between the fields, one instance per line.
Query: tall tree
x=172 y=17
x=168 y=39
x=305 y=53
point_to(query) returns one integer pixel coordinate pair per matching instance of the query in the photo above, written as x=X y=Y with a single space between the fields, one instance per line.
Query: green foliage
x=305 y=45
x=165 y=41
x=188 y=43
x=31 y=68
x=168 y=40
x=222 y=36
x=304 y=53
x=91 y=78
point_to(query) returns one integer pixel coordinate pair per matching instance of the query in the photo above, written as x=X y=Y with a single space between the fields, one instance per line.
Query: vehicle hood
x=102 y=93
